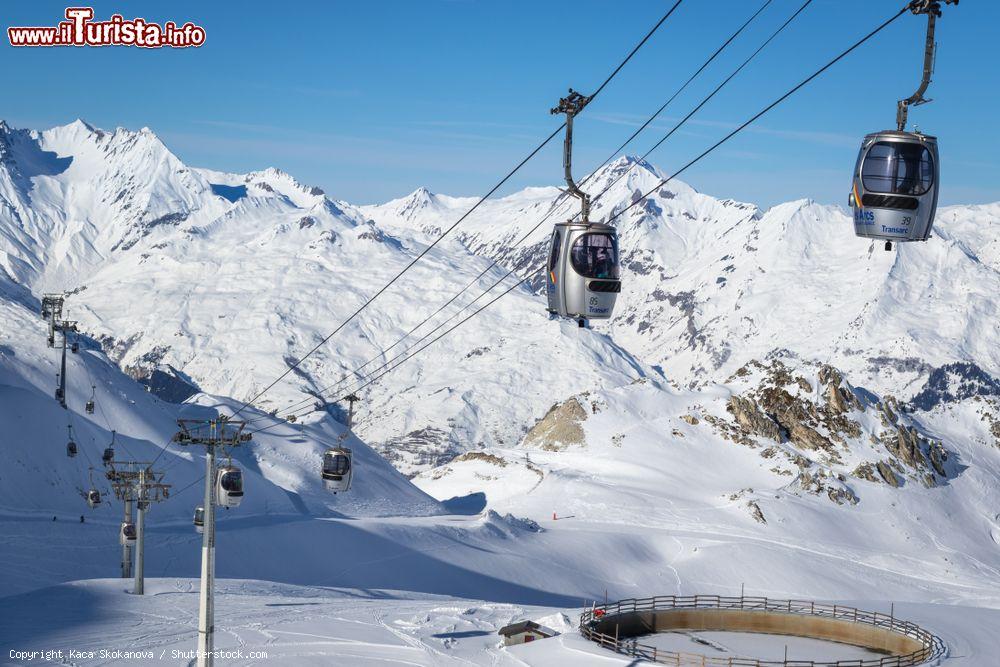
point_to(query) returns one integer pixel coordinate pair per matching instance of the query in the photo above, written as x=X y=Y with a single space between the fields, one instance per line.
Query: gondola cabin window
x=898 y=168
x=595 y=255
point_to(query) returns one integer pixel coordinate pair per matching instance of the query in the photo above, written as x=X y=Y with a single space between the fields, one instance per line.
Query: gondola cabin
x=582 y=281
x=93 y=498
x=199 y=519
x=75 y=348
x=127 y=533
x=71 y=449
x=895 y=190
x=89 y=407
x=338 y=469
x=229 y=486
x=108 y=456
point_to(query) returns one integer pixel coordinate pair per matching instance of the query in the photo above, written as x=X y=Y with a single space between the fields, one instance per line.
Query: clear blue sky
x=371 y=100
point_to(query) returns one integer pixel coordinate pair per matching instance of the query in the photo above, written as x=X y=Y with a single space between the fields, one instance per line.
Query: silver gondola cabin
x=93 y=498
x=229 y=486
x=199 y=520
x=894 y=192
x=127 y=533
x=337 y=469
x=338 y=461
x=582 y=277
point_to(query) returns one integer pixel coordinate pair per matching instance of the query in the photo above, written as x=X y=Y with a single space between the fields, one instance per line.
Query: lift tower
x=219 y=432
x=63 y=326
x=52 y=305
x=136 y=481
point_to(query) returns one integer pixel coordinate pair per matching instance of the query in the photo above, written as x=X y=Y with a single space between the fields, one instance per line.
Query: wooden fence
x=625 y=612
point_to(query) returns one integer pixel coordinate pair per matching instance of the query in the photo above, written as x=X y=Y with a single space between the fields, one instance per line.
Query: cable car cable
x=562 y=196
x=690 y=79
x=766 y=109
x=447 y=231
x=780 y=29
x=704 y=101
x=100 y=406
x=428 y=344
x=701 y=156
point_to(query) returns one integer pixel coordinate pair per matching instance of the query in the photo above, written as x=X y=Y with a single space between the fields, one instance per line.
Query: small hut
x=523 y=632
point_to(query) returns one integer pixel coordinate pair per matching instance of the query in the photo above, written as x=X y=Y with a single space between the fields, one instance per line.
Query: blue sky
x=371 y=100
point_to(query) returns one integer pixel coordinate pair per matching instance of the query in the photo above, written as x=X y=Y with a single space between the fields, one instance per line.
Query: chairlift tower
x=136 y=481
x=220 y=432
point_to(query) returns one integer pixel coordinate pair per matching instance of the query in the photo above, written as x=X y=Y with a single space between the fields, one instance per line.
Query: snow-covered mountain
x=710 y=284
x=160 y=268
x=776 y=403
x=186 y=269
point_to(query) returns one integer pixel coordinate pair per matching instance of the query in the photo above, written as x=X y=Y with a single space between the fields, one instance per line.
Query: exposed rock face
x=481 y=456
x=756 y=512
x=751 y=419
x=420 y=448
x=887 y=473
x=773 y=412
x=814 y=427
x=865 y=471
x=990 y=414
x=560 y=428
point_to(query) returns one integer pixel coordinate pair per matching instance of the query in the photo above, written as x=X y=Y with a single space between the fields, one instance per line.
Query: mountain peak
x=626 y=161
x=79 y=123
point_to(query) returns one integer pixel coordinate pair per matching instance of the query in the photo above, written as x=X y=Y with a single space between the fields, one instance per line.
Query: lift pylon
x=136 y=482
x=212 y=434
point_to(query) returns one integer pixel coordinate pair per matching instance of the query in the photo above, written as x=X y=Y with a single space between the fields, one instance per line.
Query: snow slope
x=660 y=479
x=160 y=271
x=280 y=624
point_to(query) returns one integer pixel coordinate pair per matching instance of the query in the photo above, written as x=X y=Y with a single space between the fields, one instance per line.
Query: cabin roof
x=525 y=626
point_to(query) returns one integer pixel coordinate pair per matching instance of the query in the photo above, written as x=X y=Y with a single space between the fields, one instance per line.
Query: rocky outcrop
x=560 y=428
x=815 y=425
x=888 y=474
x=752 y=419
x=756 y=512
